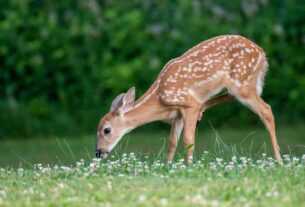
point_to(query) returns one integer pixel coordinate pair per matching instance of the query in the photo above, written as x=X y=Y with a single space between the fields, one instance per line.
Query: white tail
x=186 y=86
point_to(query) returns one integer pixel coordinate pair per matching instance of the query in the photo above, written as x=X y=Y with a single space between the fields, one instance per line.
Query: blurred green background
x=63 y=62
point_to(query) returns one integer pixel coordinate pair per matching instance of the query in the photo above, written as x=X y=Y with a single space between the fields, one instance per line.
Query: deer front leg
x=190 y=116
x=175 y=133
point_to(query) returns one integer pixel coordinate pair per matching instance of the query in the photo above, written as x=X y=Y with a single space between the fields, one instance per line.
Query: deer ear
x=123 y=102
x=117 y=102
x=129 y=99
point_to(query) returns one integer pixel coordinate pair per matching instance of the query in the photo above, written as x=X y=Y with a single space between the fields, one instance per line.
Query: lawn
x=231 y=168
x=141 y=181
x=66 y=150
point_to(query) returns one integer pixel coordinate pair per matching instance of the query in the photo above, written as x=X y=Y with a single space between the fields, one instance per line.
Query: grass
x=230 y=169
x=140 y=181
x=66 y=150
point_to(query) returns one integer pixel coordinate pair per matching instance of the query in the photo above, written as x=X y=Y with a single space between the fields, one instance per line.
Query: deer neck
x=143 y=112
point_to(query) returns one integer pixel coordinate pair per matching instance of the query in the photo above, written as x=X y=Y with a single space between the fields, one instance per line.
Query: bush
x=62 y=62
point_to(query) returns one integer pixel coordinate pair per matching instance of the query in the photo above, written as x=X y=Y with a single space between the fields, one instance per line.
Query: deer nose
x=99 y=153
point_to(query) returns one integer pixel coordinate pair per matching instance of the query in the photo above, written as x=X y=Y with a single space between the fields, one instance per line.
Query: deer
x=186 y=87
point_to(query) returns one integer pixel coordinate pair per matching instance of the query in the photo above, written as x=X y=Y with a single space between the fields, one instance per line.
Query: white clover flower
x=219 y=160
x=247 y=205
x=214 y=203
x=36 y=174
x=45 y=169
x=243 y=159
x=42 y=195
x=287 y=158
x=3 y=193
x=65 y=169
x=163 y=202
x=20 y=171
x=295 y=159
x=197 y=199
x=161 y=176
x=169 y=162
x=272 y=194
x=96 y=160
x=229 y=167
x=80 y=163
x=190 y=170
x=61 y=185
x=270 y=159
x=182 y=166
x=181 y=160
x=276 y=194
x=142 y=198
x=271 y=165
x=213 y=167
x=109 y=185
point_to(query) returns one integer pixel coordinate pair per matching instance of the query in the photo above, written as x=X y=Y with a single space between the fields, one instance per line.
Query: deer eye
x=107 y=131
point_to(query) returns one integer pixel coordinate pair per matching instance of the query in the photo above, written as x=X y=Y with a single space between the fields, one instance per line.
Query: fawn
x=186 y=87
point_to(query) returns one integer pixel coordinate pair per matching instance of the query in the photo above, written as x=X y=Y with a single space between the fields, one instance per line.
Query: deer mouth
x=101 y=154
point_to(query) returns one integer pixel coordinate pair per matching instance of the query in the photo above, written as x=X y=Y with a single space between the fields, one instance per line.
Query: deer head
x=113 y=125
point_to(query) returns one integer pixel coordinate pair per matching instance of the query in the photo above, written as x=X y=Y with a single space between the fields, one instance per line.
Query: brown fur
x=186 y=87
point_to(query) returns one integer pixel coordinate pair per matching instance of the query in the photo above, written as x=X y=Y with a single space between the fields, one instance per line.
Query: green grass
x=134 y=181
x=66 y=150
x=234 y=172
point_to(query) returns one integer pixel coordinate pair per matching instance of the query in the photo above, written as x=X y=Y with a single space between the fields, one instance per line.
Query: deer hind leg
x=175 y=133
x=190 y=116
x=221 y=99
x=257 y=105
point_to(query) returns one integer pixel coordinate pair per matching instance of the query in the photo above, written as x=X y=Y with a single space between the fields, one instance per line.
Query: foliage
x=62 y=62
